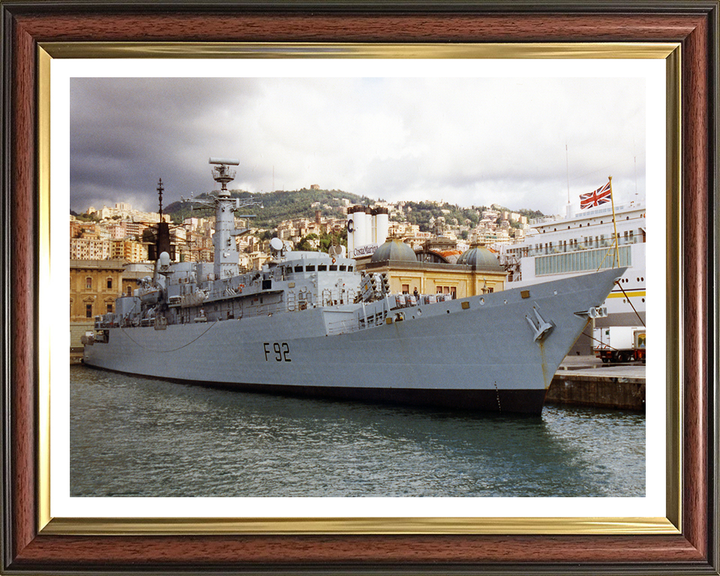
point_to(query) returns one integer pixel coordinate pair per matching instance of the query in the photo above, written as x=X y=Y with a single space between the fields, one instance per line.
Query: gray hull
x=479 y=353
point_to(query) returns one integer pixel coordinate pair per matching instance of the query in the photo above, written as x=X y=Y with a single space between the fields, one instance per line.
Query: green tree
x=306 y=243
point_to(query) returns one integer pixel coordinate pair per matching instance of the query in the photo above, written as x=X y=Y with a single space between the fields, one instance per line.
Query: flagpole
x=612 y=201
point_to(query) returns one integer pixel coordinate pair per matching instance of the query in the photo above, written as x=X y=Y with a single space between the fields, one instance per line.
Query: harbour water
x=142 y=437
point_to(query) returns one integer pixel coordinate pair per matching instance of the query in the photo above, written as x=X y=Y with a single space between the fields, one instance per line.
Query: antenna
x=567 y=170
x=160 y=189
x=635 y=162
x=222 y=173
x=276 y=244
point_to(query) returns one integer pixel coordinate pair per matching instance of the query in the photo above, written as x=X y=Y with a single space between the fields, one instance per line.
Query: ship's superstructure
x=309 y=323
x=582 y=242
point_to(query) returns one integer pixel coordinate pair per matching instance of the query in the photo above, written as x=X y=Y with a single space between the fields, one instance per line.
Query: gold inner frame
x=670 y=52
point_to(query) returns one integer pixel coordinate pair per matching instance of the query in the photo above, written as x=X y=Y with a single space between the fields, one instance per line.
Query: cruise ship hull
x=496 y=352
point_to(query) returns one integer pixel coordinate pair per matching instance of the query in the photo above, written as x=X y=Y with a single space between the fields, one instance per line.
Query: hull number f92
x=280 y=351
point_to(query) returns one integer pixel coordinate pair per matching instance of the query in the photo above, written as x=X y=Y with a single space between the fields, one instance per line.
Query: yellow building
x=90 y=248
x=477 y=271
x=94 y=285
x=131 y=250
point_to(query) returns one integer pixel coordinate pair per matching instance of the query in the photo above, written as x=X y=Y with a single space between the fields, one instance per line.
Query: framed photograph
x=58 y=58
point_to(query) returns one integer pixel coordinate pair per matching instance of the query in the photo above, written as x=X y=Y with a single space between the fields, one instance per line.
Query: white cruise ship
x=583 y=241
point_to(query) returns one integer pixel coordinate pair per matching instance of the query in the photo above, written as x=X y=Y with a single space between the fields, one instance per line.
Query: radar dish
x=276 y=244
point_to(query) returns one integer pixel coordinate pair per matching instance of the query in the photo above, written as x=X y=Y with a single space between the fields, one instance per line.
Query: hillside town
x=124 y=233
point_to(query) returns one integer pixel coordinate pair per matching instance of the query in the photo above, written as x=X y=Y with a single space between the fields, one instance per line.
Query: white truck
x=619 y=343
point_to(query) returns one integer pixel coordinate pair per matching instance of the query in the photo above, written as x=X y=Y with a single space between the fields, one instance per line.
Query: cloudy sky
x=468 y=141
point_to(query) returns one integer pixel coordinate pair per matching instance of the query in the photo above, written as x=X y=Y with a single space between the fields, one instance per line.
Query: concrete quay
x=586 y=381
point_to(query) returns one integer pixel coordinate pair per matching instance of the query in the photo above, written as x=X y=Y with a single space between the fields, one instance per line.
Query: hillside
x=277 y=206
x=274 y=207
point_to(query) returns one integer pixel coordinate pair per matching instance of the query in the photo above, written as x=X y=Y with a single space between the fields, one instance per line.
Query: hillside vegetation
x=274 y=207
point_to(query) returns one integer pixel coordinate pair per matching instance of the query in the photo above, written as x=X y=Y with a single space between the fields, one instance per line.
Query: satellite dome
x=481 y=259
x=394 y=250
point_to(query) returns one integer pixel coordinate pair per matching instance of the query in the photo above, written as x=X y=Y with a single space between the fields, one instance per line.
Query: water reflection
x=140 y=437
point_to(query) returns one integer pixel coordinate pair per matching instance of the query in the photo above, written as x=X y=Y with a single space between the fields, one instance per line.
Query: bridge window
x=584 y=260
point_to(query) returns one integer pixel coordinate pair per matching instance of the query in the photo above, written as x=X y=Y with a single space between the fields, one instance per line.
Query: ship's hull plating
x=479 y=353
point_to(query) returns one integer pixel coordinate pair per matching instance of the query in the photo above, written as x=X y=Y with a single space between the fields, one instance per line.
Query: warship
x=311 y=324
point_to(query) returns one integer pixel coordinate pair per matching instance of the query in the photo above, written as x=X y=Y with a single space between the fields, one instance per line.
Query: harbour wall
x=620 y=387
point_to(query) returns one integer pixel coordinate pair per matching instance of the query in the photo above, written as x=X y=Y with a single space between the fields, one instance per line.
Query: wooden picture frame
x=27 y=548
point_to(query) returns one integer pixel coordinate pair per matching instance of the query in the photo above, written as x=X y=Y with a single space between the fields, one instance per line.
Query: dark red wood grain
x=360 y=28
x=264 y=550
x=31 y=551
x=696 y=199
x=22 y=280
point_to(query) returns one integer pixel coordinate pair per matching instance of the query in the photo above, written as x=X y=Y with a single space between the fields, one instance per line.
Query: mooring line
x=629 y=302
x=166 y=351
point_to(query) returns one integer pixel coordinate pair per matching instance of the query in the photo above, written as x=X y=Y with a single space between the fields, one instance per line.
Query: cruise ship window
x=343 y=268
x=310 y=268
x=333 y=267
x=298 y=268
x=322 y=268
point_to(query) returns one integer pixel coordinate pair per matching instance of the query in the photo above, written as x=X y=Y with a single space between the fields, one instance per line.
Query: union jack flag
x=596 y=197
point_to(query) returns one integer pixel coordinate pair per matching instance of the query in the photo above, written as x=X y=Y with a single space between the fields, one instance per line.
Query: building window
x=581 y=261
x=406 y=288
x=109 y=308
x=109 y=283
x=88 y=310
x=129 y=290
x=88 y=283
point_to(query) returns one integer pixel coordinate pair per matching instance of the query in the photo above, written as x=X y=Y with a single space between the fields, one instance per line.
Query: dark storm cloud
x=519 y=142
x=127 y=133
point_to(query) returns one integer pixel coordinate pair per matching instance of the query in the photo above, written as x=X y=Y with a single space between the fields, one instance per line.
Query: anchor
x=542 y=328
